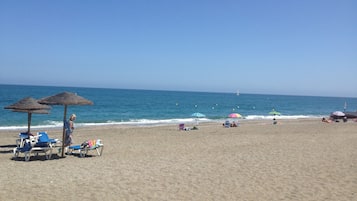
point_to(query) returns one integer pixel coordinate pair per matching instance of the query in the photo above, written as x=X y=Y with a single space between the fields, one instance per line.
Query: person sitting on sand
x=344 y=119
x=326 y=120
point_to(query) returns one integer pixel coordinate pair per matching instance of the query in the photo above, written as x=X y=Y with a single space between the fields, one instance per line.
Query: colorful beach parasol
x=198 y=115
x=275 y=113
x=234 y=115
x=337 y=115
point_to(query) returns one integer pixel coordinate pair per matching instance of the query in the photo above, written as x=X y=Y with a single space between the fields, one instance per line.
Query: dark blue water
x=142 y=107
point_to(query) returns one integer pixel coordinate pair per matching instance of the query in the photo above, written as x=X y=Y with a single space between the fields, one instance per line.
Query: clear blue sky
x=298 y=47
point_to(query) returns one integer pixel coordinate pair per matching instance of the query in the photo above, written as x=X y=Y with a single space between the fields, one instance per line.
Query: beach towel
x=90 y=143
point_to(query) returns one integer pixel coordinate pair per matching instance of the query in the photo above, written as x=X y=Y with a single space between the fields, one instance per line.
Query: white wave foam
x=258 y=117
x=148 y=122
x=25 y=127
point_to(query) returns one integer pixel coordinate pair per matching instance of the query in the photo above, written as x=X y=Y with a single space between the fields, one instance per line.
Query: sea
x=154 y=107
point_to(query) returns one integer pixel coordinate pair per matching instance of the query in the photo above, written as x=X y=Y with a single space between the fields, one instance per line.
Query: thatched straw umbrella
x=65 y=98
x=29 y=105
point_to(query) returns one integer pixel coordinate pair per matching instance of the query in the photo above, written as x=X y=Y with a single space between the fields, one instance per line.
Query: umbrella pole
x=28 y=122
x=64 y=130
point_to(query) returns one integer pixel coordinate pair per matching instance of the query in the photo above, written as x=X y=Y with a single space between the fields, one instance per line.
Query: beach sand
x=293 y=160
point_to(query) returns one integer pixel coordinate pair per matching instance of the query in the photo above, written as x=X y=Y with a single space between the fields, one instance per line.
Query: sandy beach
x=294 y=160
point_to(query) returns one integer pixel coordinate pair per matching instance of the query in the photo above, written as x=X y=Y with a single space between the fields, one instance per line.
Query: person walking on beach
x=69 y=126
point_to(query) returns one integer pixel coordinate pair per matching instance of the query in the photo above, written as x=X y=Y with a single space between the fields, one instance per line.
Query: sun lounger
x=227 y=124
x=183 y=128
x=34 y=144
x=87 y=146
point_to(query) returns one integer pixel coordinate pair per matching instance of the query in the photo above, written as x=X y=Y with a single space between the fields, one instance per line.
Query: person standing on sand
x=275 y=121
x=69 y=126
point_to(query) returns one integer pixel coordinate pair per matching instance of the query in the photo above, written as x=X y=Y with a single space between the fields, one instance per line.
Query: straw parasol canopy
x=65 y=99
x=29 y=105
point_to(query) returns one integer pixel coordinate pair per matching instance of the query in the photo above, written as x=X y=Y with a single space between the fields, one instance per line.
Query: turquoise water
x=145 y=107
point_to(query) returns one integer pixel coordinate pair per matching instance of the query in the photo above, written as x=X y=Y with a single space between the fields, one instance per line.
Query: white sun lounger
x=87 y=146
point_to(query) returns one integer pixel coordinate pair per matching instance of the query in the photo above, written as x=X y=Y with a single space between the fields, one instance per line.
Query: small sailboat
x=237 y=93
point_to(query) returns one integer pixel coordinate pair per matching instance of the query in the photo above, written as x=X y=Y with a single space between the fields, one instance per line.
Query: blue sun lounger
x=34 y=144
x=44 y=140
x=87 y=146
